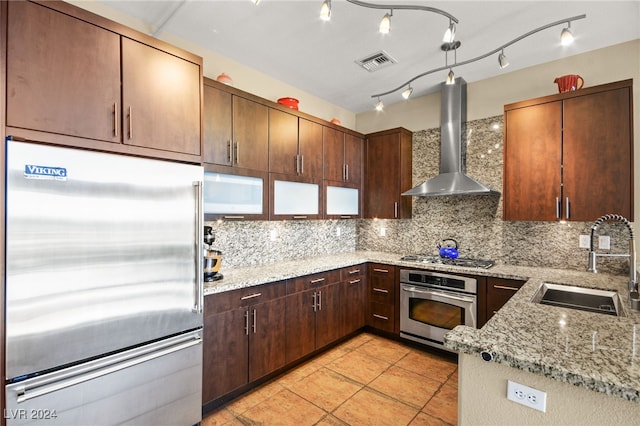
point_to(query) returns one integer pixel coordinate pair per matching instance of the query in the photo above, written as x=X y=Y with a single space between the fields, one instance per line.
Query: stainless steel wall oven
x=433 y=303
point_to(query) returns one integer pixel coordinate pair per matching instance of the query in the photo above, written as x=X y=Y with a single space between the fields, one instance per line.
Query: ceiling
x=287 y=41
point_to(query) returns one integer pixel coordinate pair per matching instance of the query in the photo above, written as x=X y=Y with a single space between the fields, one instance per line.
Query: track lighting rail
x=403 y=7
x=494 y=51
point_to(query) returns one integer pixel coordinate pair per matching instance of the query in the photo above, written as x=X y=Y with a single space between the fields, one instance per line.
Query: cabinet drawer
x=307 y=282
x=229 y=300
x=352 y=272
x=499 y=291
x=380 y=294
x=381 y=316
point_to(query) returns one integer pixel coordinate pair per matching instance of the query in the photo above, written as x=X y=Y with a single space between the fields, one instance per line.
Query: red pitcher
x=569 y=82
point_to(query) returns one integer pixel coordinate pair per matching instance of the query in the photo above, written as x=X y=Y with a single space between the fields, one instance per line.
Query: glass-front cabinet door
x=300 y=199
x=235 y=196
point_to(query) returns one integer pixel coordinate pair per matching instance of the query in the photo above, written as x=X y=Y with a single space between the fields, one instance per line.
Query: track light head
x=325 y=10
x=385 y=24
x=407 y=93
x=379 y=105
x=451 y=78
x=566 y=36
x=502 y=60
x=450 y=33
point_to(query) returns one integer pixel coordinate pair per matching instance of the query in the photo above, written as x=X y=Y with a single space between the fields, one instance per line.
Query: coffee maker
x=212 y=258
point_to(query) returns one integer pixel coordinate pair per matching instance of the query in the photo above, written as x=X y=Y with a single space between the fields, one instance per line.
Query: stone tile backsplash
x=474 y=221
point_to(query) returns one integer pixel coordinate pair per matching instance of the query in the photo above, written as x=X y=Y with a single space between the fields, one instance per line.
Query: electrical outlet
x=383 y=232
x=604 y=242
x=273 y=235
x=338 y=232
x=585 y=241
x=529 y=397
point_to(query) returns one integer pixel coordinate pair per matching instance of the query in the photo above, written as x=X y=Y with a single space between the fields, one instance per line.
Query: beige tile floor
x=367 y=380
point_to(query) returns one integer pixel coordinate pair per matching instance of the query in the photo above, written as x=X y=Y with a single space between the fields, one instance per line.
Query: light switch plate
x=604 y=242
x=585 y=241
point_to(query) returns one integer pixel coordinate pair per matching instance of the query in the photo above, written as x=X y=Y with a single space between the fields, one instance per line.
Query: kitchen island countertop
x=595 y=351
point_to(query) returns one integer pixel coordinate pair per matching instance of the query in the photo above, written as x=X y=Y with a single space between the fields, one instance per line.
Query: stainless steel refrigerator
x=103 y=288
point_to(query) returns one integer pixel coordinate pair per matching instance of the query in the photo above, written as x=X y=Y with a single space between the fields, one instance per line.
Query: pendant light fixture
x=379 y=105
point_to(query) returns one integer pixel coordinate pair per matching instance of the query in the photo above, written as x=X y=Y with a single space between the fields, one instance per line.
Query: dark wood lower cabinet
x=252 y=332
x=244 y=338
x=313 y=313
x=353 y=296
x=382 y=301
x=493 y=294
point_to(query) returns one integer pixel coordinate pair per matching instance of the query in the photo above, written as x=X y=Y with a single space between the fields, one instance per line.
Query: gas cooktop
x=460 y=261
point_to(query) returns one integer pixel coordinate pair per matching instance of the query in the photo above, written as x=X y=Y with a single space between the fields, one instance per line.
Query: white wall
x=482 y=399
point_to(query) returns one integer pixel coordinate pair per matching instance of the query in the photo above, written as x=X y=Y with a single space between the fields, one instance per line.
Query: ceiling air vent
x=375 y=61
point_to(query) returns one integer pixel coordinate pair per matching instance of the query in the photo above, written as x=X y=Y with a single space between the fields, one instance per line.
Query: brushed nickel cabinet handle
x=380 y=290
x=233 y=217
x=557 y=208
x=315 y=306
x=229 y=154
x=254 y=321
x=381 y=317
x=354 y=281
x=115 y=119
x=347 y=173
x=344 y=216
x=246 y=323
x=568 y=215
x=317 y=280
x=504 y=287
x=320 y=300
x=300 y=217
x=384 y=271
x=130 y=123
x=251 y=296
x=354 y=271
x=395 y=209
x=236 y=152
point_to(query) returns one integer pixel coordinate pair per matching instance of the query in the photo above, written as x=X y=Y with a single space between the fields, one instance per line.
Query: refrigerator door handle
x=39 y=389
x=199 y=292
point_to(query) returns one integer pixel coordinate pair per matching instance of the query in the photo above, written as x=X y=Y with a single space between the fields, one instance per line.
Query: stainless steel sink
x=585 y=299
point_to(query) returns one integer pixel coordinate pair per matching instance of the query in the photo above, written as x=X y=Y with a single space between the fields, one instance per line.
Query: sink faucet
x=634 y=296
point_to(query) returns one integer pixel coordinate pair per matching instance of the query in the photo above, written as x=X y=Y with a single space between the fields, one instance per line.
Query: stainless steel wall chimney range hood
x=452 y=179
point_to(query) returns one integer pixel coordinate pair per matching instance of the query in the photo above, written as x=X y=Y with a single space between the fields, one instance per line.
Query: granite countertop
x=596 y=351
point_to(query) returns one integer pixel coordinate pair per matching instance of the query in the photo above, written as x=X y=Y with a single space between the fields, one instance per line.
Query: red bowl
x=289 y=102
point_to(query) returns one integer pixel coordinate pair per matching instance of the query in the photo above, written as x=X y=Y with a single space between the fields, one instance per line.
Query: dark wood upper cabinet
x=532 y=158
x=217 y=126
x=236 y=129
x=388 y=174
x=597 y=148
x=54 y=88
x=342 y=156
x=283 y=142
x=250 y=134
x=75 y=78
x=160 y=99
x=310 y=142
x=570 y=156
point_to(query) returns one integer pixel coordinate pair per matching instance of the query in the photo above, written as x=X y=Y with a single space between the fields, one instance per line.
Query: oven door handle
x=439 y=293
